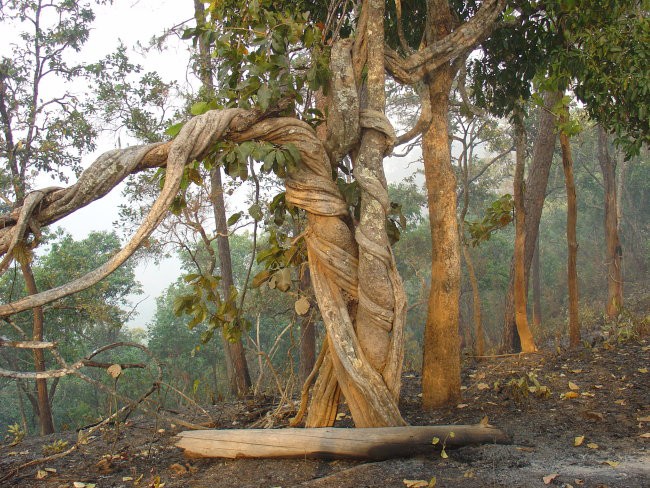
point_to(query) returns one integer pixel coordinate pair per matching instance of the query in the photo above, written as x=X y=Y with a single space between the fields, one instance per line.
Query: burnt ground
x=525 y=396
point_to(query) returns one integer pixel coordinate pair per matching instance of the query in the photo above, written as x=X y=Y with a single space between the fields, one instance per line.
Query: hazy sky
x=132 y=22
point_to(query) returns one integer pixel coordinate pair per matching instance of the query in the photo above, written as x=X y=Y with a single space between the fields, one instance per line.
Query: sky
x=133 y=22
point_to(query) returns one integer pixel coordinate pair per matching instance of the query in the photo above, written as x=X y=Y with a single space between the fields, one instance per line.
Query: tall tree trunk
x=479 y=335
x=536 y=182
x=614 y=251
x=537 y=290
x=441 y=358
x=374 y=333
x=44 y=411
x=520 y=295
x=236 y=364
x=571 y=237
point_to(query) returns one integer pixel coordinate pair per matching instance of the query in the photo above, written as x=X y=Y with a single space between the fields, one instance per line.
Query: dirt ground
x=545 y=402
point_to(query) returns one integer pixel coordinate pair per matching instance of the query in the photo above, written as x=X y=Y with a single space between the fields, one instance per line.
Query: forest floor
x=599 y=394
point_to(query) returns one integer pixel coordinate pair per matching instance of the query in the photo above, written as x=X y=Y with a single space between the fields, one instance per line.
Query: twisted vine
x=353 y=271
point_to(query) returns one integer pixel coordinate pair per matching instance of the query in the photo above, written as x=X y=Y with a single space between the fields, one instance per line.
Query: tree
x=614 y=251
x=268 y=54
x=42 y=132
x=520 y=288
x=565 y=128
x=574 y=44
x=443 y=44
x=81 y=323
x=239 y=377
x=476 y=131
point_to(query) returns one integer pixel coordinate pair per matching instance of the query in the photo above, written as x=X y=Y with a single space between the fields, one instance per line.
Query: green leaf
x=199 y=108
x=269 y=159
x=293 y=151
x=246 y=148
x=264 y=97
x=234 y=218
x=173 y=130
x=255 y=211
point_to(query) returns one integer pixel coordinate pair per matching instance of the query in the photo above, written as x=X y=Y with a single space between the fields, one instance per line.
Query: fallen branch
x=95 y=364
x=330 y=442
x=4 y=342
x=512 y=354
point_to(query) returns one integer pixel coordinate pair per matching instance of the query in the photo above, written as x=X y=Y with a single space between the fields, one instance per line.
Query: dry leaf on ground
x=548 y=479
x=178 y=469
x=416 y=483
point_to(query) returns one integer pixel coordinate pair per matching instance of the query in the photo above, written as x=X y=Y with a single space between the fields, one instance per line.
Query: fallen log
x=330 y=442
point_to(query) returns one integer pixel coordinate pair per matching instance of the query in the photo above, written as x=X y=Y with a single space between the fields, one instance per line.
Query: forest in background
x=198 y=369
x=271 y=305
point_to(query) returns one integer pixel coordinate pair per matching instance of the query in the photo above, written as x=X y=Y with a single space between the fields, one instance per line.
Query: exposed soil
x=611 y=409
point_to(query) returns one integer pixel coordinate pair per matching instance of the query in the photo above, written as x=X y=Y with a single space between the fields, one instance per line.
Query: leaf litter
x=141 y=453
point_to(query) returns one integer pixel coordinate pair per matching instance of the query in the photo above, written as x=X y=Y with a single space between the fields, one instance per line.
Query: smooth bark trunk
x=441 y=358
x=537 y=290
x=571 y=236
x=520 y=295
x=534 y=197
x=614 y=251
x=479 y=336
x=44 y=412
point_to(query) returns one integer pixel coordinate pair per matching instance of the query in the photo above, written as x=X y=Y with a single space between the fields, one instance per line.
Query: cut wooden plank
x=330 y=442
